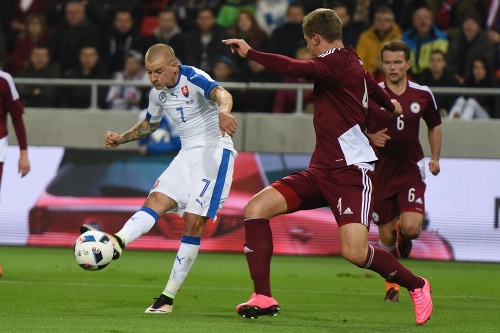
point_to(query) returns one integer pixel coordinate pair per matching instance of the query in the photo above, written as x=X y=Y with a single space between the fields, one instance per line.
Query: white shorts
x=3 y=148
x=199 y=180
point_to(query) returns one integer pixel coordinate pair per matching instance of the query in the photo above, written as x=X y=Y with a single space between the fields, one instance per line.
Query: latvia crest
x=185 y=91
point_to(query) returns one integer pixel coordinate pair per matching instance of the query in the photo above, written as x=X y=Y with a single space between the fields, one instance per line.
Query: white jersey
x=189 y=105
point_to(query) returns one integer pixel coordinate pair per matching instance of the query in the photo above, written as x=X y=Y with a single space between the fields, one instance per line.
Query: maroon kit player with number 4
x=399 y=185
x=341 y=167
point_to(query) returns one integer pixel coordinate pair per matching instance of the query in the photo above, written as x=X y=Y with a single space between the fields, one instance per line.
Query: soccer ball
x=93 y=250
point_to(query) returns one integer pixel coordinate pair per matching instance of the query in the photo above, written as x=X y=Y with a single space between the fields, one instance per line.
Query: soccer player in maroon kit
x=10 y=103
x=398 y=184
x=341 y=167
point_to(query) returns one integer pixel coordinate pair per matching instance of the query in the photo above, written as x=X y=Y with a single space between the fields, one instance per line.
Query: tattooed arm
x=138 y=131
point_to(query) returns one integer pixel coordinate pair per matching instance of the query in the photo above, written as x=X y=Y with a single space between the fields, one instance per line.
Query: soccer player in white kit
x=197 y=182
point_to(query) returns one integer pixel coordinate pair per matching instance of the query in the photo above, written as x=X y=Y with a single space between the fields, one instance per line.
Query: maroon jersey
x=341 y=91
x=402 y=153
x=9 y=101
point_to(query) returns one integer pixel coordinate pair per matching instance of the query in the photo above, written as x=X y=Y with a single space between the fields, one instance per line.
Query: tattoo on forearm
x=139 y=131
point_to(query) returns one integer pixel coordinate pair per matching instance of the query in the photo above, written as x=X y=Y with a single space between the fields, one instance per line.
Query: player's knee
x=354 y=256
x=252 y=209
x=412 y=231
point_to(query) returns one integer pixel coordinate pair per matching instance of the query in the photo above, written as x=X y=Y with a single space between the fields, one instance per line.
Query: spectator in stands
x=21 y=10
x=371 y=40
x=397 y=8
x=224 y=70
x=476 y=106
x=350 y=29
x=120 y=38
x=130 y=97
x=168 y=32
x=310 y=5
x=39 y=67
x=257 y=100
x=469 y=44
x=439 y=75
x=70 y=35
x=164 y=140
x=422 y=38
x=285 y=101
x=187 y=11
x=449 y=14
x=56 y=12
x=203 y=45
x=229 y=10
x=248 y=29
x=89 y=68
x=287 y=38
x=102 y=12
x=271 y=14
x=35 y=32
x=3 y=51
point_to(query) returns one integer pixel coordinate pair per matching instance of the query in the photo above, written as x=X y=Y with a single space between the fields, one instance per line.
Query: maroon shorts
x=406 y=195
x=347 y=191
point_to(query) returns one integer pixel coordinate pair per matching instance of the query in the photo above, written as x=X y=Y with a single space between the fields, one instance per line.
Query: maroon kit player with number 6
x=11 y=104
x=399 y=185
x=341 y=167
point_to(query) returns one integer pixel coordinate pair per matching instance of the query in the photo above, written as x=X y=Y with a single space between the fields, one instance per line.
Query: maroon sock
x=384 y=263
x=258 y=251
x=395 y=252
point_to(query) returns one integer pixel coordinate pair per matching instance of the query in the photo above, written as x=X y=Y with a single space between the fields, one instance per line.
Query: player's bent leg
x=184 y=260
x=266 y=204
x=388 y=238
x=408 y=228
x=382 y=262
x=354 y=242
x=258 y=250
x=258 y=305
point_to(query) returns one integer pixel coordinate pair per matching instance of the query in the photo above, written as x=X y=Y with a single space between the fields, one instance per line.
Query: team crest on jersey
x=415 y=107
x=185 y=91
x=163 y=97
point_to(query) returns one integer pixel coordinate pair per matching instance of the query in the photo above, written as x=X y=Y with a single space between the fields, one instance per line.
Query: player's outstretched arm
x=140 y=130
x=227 y=123
x=238 y=46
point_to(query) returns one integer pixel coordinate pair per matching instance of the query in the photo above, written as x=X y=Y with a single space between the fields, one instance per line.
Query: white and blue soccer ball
x=93 y=250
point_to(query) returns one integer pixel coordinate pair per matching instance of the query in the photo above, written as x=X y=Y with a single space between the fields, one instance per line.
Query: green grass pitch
x=44 y=290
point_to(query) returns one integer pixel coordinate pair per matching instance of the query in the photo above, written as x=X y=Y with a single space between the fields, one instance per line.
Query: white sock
x=387 y=248
x=186 y=256
x=140 y=223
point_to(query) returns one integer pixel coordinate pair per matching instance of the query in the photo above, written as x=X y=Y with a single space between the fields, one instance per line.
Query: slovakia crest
x=163 y=97
x=185 y=91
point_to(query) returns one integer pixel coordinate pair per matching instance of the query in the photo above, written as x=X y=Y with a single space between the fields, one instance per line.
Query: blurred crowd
x=454 y=43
